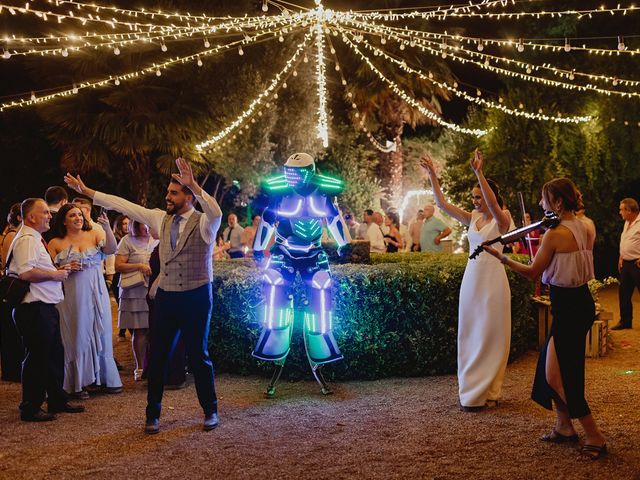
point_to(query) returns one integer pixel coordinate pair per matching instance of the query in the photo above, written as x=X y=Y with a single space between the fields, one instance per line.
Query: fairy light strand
x=154 y=68
x=212 y=140
x=520 y=112
x=410 y=100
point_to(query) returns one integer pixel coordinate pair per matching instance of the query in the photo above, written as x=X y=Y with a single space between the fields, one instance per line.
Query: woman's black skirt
x=573 y=313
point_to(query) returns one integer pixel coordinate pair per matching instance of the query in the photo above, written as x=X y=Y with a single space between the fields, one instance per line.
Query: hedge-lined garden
x=395 y=317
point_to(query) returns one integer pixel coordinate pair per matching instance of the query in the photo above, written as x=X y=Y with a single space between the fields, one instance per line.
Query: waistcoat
x=189 y=266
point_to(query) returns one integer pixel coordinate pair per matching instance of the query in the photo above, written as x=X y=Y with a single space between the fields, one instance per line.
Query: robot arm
x=336 y=226
x=264 y=233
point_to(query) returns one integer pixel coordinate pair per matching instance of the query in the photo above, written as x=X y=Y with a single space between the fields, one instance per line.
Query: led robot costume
x=299 y=202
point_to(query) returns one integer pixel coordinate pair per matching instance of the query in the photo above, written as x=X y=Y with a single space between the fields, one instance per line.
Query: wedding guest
x=565 y=260
x=393 y=239
x=186 y=251
x=134 y=251
x=11 y=349
x=37 y=318
x=85 y=312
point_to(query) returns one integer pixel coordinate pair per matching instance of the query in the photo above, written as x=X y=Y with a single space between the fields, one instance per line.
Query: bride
x=484 y=312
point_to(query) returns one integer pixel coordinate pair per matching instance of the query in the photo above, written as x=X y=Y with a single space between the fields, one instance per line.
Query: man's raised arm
x=147 y=216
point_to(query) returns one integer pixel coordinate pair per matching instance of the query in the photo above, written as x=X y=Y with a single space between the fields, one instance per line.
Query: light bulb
x=478 y=92
x=520 y=46
x=117 y=81
x=337 y=68
x=402 y=46
x=383 y=40
x=567 y=45
x=621 y=45
x=344 y=82
x=75 y=89
x=295 y=73
x=615 y=82
x=528 y=69
x=163 y=47
x=281 y=38
x=206 y=43
x=240 y=51
x=158 y=73
x=284 y=85
x=265 y=7
x=480 y=46
x=33 y=97
x=116 y=51
x=65 y=52
x=6 y=55
x=199 y=62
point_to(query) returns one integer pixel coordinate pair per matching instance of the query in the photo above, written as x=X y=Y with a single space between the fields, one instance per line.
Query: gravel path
x=392 y=428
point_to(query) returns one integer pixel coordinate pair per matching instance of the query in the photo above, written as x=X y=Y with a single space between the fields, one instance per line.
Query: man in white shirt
x=629 y=261
x=37 y=318
x=374 y=233
x=233 y=237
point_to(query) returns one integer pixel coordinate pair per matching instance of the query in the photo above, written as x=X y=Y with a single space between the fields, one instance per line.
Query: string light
x=323 y=129
x=559 y=118
x=462 y=13
x=528 y=67
x=410 y=100
x=155 y=68
x=256 y=102
x=423 y=45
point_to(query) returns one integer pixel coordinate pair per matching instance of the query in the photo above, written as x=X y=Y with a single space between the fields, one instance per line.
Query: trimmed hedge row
x=397 y=317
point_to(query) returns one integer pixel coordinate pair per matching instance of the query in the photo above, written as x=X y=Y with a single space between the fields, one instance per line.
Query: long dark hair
x=496 y=191
x=59 y=229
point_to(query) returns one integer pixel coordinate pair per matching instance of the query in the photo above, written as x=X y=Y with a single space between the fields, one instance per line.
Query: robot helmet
x=300 y=160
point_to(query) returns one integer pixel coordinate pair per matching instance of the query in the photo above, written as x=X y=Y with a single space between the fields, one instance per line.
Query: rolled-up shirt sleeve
x=151 y=217
x=25 y=255
x=212 y=218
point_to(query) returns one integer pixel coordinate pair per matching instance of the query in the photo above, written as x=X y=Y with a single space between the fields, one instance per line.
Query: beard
x=172 y=208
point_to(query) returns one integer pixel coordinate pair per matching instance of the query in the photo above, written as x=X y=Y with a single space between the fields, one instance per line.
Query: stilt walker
x=299 y=203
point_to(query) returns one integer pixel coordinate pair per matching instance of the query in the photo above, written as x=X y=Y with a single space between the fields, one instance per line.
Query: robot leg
x=277 y=320
x=319 y=341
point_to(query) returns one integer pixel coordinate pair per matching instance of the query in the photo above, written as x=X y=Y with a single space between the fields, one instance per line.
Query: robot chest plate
x=298 y=207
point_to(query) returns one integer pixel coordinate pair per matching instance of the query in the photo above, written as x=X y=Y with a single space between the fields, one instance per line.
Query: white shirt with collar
x=209 y=222
x=376 y=238
x=630 y=240
x=29 y=253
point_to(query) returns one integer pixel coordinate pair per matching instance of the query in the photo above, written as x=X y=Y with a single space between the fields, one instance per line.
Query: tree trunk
x=138 y=169
x=390 y=173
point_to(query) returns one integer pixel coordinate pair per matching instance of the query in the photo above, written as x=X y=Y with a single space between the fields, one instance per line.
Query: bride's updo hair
x=565 y=190
x=496 y=191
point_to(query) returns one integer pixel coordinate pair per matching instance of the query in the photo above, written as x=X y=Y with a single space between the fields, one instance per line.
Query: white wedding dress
x=484 y=321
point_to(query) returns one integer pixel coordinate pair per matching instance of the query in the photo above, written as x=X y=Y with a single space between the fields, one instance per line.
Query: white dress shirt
x=209 y=222
x=29 y=253
x=630 y=240
x=376 y=238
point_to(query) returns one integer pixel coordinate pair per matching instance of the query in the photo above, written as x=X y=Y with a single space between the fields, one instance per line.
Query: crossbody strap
x=10 y=256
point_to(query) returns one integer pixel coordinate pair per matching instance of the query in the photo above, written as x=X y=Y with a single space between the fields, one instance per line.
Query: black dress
x=391 y=248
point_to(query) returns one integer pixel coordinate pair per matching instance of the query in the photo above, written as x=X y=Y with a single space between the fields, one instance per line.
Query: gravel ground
x=392 y=428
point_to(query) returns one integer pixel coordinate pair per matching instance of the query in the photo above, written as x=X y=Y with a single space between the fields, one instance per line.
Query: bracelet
x=504 y=259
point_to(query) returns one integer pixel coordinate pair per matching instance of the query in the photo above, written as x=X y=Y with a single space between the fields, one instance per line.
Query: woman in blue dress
x=85 y=312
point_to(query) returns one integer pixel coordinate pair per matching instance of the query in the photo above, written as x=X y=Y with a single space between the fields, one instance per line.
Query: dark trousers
x=43 y=367
x=188 y=313
x=177 y=362
x=11 y=350
x=629 y=281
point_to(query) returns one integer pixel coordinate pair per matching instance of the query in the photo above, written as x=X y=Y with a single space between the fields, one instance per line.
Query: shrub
x=397 y=317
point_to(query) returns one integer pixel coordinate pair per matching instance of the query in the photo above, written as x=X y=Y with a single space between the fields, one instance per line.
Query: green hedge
x=397 y=317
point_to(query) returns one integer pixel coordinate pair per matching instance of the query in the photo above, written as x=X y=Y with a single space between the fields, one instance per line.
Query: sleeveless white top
x=572 y=269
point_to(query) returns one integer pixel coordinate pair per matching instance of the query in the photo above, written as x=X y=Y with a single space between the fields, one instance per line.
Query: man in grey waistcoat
x=183 y=300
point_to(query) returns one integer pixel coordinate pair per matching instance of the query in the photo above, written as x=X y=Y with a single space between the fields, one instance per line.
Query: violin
x=550 y=220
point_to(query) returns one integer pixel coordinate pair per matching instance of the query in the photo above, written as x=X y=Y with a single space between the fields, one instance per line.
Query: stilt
x=277 y=371
x=316 y=369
